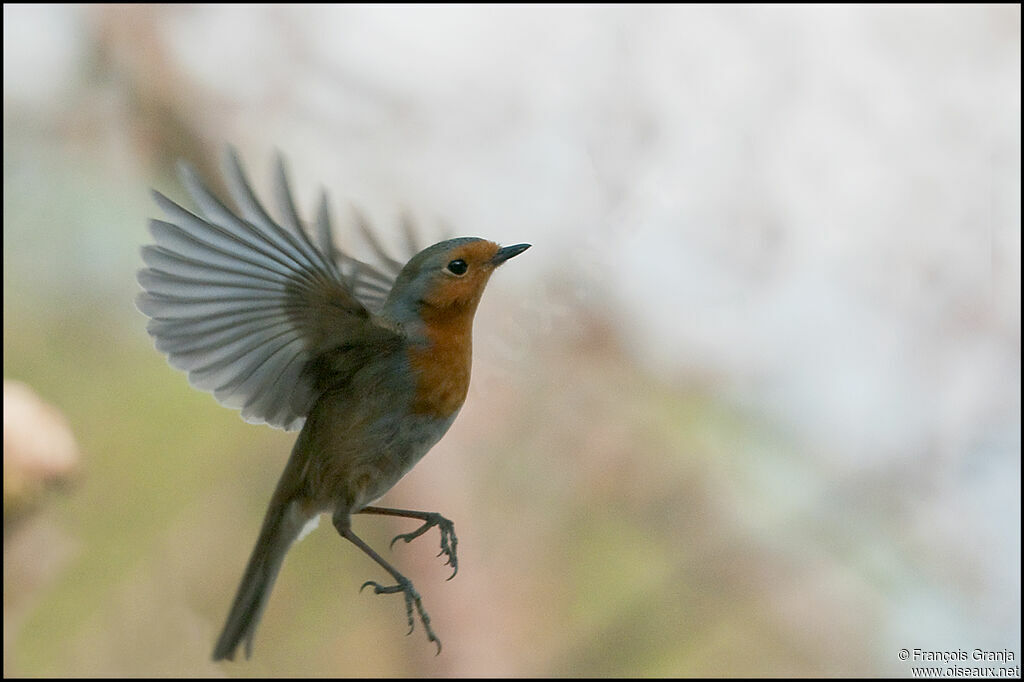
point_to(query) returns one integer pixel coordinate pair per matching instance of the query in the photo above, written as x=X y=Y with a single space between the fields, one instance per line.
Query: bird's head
x=444 y=282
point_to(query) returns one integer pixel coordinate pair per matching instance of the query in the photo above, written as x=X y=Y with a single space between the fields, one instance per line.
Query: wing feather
x=248 y=306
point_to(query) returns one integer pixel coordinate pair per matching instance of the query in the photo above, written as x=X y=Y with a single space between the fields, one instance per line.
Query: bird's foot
x=412 y=599
x=448 y=539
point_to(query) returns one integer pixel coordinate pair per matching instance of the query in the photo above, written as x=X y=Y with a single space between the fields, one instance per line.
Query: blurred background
x=750 y=405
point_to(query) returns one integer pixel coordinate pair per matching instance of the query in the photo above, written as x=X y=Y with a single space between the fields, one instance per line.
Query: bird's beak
x=506 y=252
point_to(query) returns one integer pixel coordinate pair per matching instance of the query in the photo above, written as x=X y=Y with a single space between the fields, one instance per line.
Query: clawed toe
x=412 y=600
x=448 y=539
x=381 y=589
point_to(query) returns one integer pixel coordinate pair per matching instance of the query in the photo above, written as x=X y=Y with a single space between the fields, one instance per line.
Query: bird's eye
x=458 y=267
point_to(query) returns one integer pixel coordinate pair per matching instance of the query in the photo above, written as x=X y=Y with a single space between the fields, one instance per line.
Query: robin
x=373 y=365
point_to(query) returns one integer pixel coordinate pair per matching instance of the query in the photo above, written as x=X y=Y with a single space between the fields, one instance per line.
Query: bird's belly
x=403 y=444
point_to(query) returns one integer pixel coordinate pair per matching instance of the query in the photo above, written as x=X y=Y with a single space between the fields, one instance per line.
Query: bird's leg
x=430 y=519
x=403 y=584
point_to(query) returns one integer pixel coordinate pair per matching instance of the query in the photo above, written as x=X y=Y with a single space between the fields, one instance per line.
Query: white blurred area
x=814 y=211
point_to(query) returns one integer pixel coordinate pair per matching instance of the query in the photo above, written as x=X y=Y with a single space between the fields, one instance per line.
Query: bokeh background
x=750 y=406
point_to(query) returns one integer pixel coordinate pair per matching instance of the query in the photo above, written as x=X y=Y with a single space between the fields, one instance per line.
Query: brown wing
x=248 y=306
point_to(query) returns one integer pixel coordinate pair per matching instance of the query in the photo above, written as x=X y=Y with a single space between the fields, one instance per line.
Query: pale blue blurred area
x=807 y=216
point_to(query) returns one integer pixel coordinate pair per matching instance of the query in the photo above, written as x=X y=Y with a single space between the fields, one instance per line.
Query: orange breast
x=442 y=369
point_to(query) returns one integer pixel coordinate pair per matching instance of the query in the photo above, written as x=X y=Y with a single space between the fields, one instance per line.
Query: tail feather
x=282 y=525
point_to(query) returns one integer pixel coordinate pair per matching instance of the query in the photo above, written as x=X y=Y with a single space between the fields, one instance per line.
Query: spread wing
x=254 y=310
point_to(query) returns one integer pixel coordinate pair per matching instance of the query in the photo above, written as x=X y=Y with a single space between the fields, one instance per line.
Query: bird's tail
x=284 y=523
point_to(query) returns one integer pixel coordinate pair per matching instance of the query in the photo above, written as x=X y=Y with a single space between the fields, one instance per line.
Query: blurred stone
x=39 y=450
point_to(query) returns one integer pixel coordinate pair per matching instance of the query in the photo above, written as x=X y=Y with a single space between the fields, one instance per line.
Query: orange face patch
x=463 y=290
x=443 y=366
